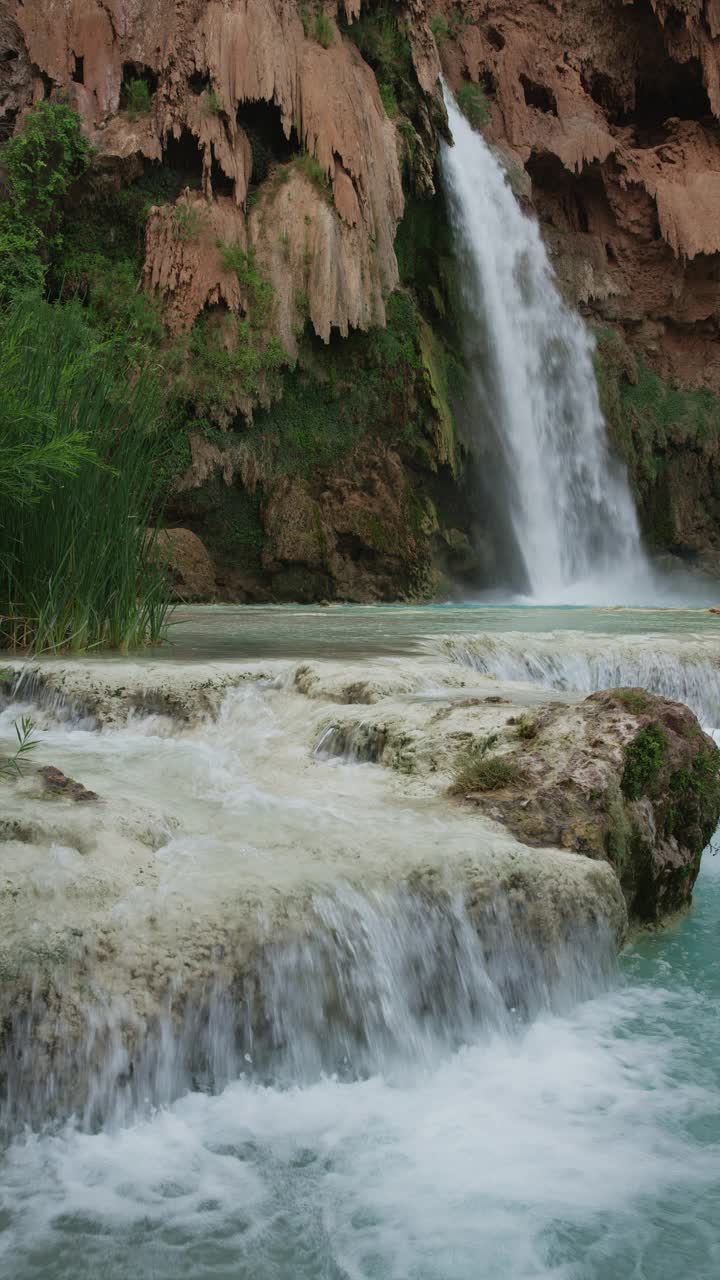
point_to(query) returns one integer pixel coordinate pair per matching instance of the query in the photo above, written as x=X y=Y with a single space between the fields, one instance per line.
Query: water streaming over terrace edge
x=530 y=357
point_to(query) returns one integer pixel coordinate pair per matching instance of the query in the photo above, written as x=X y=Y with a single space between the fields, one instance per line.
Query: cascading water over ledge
x=364 y=982
x=530 y=359
x=687 y=671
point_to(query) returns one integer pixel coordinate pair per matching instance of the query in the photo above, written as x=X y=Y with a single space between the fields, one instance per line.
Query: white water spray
x=531 y=360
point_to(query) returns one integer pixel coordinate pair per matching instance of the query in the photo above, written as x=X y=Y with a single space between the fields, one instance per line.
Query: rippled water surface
x=206 y=632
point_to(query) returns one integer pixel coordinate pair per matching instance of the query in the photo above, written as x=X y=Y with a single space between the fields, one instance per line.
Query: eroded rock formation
x=613 y=109
x=208 y=66
x=295 y=149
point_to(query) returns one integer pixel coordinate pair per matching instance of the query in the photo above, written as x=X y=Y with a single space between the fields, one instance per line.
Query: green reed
x=79 y=486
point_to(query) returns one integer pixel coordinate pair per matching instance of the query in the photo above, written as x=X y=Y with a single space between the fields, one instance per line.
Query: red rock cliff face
x=205 y=60
x=613 y=109
x=611 y=106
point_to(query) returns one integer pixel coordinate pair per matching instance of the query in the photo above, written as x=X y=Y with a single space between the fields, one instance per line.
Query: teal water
x=211 y=632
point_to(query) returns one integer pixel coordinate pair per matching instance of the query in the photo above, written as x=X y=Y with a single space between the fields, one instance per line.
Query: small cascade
x=530 y=356
x=361 y=983
x=582 y=663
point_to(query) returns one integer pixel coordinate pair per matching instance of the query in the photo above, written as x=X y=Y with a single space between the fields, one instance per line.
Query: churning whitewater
x=531 y=359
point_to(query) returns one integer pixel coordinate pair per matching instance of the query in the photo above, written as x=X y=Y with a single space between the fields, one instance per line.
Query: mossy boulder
x=624 y=775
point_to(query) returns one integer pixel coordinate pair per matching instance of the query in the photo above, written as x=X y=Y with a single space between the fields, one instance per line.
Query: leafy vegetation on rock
x=643 y=760
x=381 y=36
x=695 y=797
x=471 y=100
x=136 y=97
x=40 y=164
x=634 y=700
x=669 y=438
x=324 y=30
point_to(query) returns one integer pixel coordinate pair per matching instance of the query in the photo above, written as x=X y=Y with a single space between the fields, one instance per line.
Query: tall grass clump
x=324 y=30
x=477 y=769
x=78 y=487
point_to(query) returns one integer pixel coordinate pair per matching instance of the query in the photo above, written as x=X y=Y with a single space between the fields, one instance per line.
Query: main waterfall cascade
x=530 y=357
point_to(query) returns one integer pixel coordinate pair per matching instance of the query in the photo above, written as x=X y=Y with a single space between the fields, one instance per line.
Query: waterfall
x=531 y=364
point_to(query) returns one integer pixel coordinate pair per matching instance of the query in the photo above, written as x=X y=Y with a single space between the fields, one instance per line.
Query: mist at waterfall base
x=559 y=505
x=581 y=1142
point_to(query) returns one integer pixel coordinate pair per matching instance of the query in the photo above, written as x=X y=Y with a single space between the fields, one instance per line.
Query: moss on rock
x=670 y=439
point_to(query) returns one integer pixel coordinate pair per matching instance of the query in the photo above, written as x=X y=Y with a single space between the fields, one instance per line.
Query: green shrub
x=228 y=361
x=136 y=97
x=258 y=290
x=41 y=163
x=211 y=104
x=324 y=29
x=189 y=220
x=473 y=104
x=439 y=28
x=381 y=36
x=389 y=101
x=526 y=728
x=643 y=760
x=77 y=468
x=313 y=170
x=22 y=269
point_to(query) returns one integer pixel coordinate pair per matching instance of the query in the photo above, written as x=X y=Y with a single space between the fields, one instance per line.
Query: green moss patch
x=644 y=758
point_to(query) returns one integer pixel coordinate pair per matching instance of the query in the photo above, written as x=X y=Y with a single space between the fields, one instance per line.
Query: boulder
x=189 y=562
x=57 y=783
x=624 y=775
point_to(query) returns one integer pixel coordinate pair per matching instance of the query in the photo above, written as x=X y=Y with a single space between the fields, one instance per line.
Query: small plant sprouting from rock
x=644 y=758
x=259 y=291
x=324 y=30
x=137 y=97
x=189 y=220
x=211 y=104
x=313 y=171
x=473 y=104
x=26 y=744
x=526 y=728
x=440 y=28
x=478 y=770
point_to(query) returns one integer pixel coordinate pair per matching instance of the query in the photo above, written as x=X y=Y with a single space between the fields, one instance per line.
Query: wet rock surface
x=58 y=784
